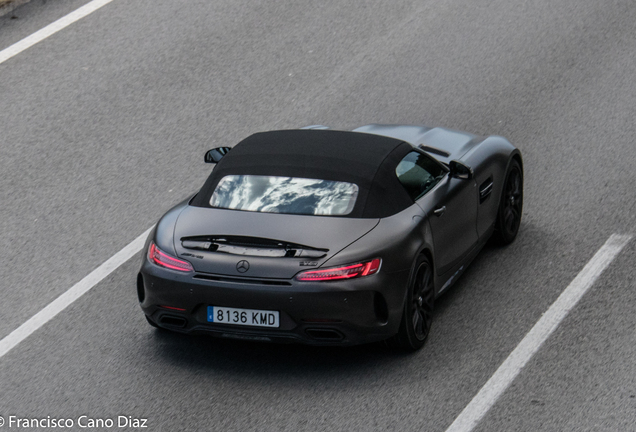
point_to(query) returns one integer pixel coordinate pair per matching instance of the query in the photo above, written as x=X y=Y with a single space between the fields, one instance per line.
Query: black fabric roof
x=367 y=160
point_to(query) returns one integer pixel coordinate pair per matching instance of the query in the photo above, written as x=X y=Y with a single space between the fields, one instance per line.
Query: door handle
x=439 y=211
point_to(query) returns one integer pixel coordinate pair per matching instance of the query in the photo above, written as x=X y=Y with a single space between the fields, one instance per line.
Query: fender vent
x=485 y=189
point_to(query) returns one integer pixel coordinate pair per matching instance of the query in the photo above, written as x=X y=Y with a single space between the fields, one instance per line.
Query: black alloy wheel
x=418 y=309
x=510 y=206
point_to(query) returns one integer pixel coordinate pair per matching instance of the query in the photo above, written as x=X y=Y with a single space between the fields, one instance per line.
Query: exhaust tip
x=172 y=321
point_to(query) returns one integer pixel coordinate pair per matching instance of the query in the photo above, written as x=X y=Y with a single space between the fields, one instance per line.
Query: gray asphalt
x=103 y=127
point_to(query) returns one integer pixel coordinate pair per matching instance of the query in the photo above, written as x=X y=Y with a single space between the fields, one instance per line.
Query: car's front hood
x=216 y=240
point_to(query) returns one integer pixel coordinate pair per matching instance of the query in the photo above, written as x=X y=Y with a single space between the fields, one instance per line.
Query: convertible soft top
x=367 y=160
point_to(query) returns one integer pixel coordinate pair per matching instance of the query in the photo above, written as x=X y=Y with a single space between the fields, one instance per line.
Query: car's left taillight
x=160 y=258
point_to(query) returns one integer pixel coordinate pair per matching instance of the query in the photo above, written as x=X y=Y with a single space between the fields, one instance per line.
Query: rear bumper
x=347 y=312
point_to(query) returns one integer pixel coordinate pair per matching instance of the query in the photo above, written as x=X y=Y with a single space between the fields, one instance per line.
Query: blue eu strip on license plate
x=246 y=317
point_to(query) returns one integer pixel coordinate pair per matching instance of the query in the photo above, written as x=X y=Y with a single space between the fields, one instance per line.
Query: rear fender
x=398 y=240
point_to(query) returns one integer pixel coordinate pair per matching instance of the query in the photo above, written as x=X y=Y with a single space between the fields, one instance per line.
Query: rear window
x=293 y=195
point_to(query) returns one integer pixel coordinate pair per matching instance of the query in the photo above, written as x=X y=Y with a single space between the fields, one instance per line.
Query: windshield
x=294 y=195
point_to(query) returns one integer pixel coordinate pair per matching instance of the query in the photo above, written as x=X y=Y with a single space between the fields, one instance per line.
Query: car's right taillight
x=160 y=258
x=350 y=271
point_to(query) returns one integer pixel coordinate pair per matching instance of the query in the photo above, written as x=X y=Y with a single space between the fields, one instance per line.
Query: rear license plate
x=248 y=317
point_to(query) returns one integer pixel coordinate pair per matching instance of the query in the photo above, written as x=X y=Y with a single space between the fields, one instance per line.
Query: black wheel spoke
x=422 y=301
x=421 y=329
x=512 y=203
x=418 y=311
x=509 y=214
x=511 y=220
x=516 y=181
x=417 y=321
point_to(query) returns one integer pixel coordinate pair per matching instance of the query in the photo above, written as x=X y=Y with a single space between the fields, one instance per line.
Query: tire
x=510 y=206
x=418 y=308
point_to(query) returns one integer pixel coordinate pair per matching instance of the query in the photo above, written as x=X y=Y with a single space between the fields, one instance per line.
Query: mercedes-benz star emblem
x=242 y=266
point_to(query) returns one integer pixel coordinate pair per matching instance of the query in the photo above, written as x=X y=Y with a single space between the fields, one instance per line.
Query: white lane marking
x=51 y=29
x=72 y=294
x=510 y=368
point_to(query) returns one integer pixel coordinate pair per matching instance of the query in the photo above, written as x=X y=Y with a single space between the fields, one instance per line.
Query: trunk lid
x=261 y=245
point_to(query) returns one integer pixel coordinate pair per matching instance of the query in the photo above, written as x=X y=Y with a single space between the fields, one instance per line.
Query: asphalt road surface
x=103 y=127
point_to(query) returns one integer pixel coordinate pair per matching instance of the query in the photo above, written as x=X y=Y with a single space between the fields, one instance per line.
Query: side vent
x=485 y=189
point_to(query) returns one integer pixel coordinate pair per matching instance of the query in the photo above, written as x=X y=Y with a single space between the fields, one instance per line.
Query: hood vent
x=434 y=150
x=252 y=246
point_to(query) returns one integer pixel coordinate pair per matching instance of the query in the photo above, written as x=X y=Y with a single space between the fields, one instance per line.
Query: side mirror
x=460 y=171
x=215 y=155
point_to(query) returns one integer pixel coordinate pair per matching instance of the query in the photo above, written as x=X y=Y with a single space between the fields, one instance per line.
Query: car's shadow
x=228 y=355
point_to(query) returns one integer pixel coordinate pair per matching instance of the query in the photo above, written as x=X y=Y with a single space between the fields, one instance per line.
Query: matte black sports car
x=330 y=237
